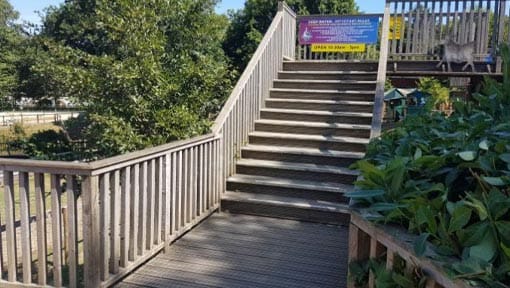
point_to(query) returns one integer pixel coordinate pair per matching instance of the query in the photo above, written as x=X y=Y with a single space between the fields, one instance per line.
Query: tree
x=248 y=25
x=147 y=72
x=10 y=39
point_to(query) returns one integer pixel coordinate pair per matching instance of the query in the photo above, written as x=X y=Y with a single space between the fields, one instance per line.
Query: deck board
x=229 y=250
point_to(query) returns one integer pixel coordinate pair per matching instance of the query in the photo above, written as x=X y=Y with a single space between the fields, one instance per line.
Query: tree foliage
x=147 y=72
x=248 y=25
x=10 y=39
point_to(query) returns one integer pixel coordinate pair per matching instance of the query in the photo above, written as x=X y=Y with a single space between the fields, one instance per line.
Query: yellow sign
x=327 y=47
x=395 y=28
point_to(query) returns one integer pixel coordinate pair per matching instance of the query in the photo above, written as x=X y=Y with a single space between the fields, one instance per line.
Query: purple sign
x=339 y=29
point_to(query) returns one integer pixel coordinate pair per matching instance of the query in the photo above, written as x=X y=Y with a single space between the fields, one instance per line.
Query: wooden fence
x=427 y=24
x=123 y=210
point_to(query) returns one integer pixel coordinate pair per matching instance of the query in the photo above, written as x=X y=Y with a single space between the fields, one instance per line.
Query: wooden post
x=91 y=238
x=381 y=76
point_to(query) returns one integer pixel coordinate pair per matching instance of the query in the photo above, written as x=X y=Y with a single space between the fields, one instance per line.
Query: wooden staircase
x=316 y=122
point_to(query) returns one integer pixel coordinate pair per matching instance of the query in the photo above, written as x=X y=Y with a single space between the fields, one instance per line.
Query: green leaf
x=479 y=207
x=365 y=193
x=460 y=218
x=498 y=203
x=503 y=228
x=467 y=155
x=494 y=181
x=420 y=244
x=506 y=249
x=418 y=154
x=385 y=207
x=505 y=157
x=486 y=249
x=473 y=234
x=484 y=145
x=425 y=215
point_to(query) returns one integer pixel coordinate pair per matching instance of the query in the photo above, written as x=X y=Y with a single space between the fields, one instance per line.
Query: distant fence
x=35 y=117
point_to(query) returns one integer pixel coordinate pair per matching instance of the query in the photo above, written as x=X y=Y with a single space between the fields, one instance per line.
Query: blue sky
x=27 y=8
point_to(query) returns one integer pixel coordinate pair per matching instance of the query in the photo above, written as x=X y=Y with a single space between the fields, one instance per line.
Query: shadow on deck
x=230 y=250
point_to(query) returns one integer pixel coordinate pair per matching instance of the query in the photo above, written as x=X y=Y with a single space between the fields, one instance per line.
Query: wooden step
x=322 y=65
x=313 y=128
x=285 y=207
x=324 y=84
x=292 y=170
x=320 y=105
x=309 y=141
x=300 y=155
x=346 y=95
x=328 y=75
x=317 y=116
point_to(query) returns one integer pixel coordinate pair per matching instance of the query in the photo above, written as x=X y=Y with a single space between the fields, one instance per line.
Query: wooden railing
x=427 y=24
x=90 y=224
x=119 y=212
x=390 y=244
x=242 y=109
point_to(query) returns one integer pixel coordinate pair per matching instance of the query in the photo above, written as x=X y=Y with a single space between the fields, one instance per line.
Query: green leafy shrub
x=448 y=180
x=47 y=145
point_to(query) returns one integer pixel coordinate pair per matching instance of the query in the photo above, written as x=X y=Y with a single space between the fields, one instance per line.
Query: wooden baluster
x=56 y=228
x=125 y=234
x=175 y=191
x=115 y=210
x=142 y=216
x=167 y=175
x=135 y=208
x=158 y=200
x=376 y=250
x=42 y=251
x=104 y=187
x=151 y=192
x=26 y=247
x=72 y=230
x=10 y=225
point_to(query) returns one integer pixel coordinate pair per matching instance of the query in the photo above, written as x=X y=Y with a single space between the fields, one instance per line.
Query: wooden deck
x=229 y=250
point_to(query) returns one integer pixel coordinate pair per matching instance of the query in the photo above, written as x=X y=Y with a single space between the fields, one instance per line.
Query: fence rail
x=9 y=118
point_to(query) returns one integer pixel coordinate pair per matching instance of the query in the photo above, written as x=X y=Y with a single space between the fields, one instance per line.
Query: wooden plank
x=151 y=195
x=178 y=202
x=185 y=188
x=135 y=208
x=142 y=214
x=72 y=230
x=158 y=200
x=10 y=225
x=175 y=187
x=378 y=112
x=115 y=210
x=91 y=231
x=125 y=211
x=167 y=175
x=376 y=250
x=40 y=207
x=56 y=228
x=104 y=190
x=26 y=247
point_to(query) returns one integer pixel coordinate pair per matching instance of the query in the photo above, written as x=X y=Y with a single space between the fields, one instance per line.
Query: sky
x=27 y=8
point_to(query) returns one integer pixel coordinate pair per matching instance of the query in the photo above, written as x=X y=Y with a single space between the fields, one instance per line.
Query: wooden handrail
x=236 y=92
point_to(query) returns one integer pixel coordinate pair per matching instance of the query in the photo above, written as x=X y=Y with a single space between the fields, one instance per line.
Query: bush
x=448 y=180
